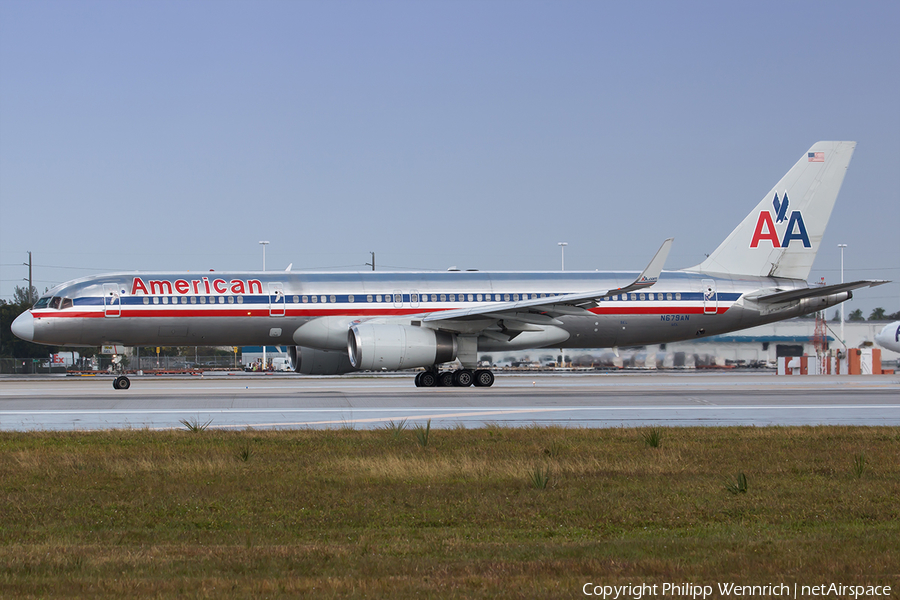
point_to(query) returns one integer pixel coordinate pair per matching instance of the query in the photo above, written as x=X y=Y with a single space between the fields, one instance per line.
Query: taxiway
x=569 y=400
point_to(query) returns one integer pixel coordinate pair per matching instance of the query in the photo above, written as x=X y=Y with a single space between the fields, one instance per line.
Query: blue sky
x=176 y=135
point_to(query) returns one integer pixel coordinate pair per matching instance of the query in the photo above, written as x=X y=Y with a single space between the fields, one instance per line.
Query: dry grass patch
x=376 y=513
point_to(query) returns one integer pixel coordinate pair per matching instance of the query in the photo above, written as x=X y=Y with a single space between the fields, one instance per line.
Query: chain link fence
x=102 y=364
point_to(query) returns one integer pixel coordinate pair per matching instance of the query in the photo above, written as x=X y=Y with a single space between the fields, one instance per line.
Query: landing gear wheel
x=121 y=383
x=426 y=379
x=463 y=378
x=484 y=378
x=445 y=379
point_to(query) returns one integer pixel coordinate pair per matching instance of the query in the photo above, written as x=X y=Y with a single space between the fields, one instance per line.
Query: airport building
x=755 y=347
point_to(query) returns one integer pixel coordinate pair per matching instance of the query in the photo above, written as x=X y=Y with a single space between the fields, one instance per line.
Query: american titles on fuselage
x=154 y=287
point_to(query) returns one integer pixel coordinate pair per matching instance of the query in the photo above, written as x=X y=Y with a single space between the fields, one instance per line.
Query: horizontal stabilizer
x=816 y=292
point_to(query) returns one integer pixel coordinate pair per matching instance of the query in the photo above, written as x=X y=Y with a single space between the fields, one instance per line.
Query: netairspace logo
x=692 y=590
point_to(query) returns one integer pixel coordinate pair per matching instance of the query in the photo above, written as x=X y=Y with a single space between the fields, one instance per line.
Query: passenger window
x=222 y=299
x=350 y=298
x=332 y=299
x=377 y=297
x=165 y=300
x=452 y=297
x=240 y=299
x=146 y=300
x=315 y=299
x=305 y=299
x=369 y=298
x=479 y=297
x=506 y=297
x=324 y=299
x=678 y=295
x=650 y=296
x=516 y=297
x=202 y=299
x=443 y=297
x=184 y=299
x=296 y=300
x=669 y=296
x=193 y=299
x=230 y=299
x=643 y=297
x=155 y=299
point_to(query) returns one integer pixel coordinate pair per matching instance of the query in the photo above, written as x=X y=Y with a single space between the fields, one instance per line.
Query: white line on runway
x=474 y=411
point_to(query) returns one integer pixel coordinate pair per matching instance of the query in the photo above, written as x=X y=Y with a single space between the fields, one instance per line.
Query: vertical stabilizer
x=780 y=237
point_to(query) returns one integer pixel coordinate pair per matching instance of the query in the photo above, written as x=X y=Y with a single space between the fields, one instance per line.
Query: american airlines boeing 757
x=336 y=323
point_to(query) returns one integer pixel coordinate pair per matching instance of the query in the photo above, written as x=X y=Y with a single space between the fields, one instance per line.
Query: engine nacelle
x=373 y=347
x=810 y=305
x=310 y=361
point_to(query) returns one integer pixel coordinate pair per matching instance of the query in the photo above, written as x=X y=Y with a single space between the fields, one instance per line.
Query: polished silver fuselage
x=267 y=308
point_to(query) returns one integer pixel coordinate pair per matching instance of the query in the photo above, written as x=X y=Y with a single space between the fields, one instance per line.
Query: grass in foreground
x=468 y=514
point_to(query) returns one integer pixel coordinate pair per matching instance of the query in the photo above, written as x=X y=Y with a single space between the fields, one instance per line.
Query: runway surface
x=571 y=399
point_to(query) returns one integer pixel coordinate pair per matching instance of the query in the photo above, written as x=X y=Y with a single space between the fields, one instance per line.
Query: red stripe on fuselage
x=213 y=312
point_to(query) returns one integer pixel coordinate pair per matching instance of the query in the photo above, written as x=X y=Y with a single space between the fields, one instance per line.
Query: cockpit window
x=54 y=302
x=42 y=303
x=66 y=303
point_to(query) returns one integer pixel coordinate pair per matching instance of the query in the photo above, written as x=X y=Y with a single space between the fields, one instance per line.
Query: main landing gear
x=121 y=383
x=459 y=378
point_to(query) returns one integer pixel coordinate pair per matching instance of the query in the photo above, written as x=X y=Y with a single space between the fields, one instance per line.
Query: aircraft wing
x=816 y=292
x=542 y=311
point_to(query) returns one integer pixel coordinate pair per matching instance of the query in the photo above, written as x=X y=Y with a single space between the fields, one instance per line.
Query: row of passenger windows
x=643 y=296
x=58 y=302
x=397 y=298
x=195 y=299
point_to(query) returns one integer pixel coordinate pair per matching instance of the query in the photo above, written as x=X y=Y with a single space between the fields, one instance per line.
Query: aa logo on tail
x=765 y=226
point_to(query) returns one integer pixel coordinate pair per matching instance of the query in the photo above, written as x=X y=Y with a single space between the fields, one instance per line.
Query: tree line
x=877 y=314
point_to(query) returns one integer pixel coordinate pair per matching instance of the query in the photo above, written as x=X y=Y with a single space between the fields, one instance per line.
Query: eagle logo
x=780 y=208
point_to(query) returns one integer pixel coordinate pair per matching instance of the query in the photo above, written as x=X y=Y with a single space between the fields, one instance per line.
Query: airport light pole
x=842 y=246
x=562 y=248
x=264 y=244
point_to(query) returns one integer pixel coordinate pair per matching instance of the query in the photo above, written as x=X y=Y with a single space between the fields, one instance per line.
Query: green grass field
x=481 y=513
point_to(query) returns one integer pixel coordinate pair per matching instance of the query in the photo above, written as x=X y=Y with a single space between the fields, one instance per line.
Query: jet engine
x=373 y=346
x=810 y=305
x=310 y=361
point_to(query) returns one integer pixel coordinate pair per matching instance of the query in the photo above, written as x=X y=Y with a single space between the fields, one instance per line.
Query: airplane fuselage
x=268 y=308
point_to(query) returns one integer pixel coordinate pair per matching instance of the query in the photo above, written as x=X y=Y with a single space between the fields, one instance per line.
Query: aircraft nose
x=23 y=326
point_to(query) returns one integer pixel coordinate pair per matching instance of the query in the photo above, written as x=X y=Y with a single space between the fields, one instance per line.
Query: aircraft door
x=276 y=299
x=112 y=302
x=710 y=297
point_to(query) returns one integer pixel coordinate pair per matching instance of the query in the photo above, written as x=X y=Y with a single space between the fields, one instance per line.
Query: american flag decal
x=816 y=156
